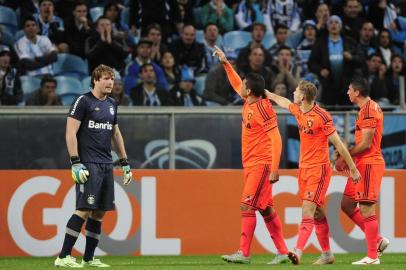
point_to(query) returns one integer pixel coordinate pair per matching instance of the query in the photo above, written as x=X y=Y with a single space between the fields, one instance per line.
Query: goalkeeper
x=91 y=129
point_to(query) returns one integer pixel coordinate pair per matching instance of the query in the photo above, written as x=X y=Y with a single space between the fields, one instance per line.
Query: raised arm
x=281 y=101
x=232 y=75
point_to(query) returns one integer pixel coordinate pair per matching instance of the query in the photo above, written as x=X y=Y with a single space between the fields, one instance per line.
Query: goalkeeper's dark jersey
x=97 y=119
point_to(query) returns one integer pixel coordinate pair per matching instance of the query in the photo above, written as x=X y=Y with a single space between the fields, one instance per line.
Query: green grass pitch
x=343 y=261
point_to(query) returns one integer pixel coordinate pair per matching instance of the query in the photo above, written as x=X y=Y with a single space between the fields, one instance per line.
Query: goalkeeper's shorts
x=98 y=191
x=369 y=187
x=257 y=191
x=313 y=183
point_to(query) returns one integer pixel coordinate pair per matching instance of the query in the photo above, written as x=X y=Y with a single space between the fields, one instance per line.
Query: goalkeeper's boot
x=68 y=261
x=94 y=263
x=383 y=244
x=295 y=255
x=325 y=258
x=367 y=261
x=280 y=259
x=237 y=257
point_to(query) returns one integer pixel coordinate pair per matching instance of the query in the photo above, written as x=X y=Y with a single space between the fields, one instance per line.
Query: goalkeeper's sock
x=72 y=232
x=274 y=226
x=323 y=233
x=248 y=224
x=93 y=230
x=359 y=220
x=305 y=230
x=371 y=232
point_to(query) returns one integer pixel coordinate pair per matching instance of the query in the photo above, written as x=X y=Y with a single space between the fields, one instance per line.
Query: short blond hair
x=99 y=71
x=309 y=90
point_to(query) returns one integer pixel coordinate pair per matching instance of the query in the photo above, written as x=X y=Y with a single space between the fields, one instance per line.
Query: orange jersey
x=370 y=115
x=258 y=118
x=314 y=128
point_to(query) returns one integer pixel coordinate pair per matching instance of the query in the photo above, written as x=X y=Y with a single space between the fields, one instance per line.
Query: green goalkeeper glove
x=79 y=171
x=127 y=174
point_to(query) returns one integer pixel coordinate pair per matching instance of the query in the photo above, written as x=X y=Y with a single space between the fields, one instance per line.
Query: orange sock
x=274 y=226
x=305 y=230
x=248 y=223
x=371 y=232
x=359 y=220
x=323 y=233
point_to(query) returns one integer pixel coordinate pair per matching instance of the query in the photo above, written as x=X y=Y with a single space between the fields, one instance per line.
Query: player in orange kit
x=261 y=150
x=316 y=128
x=368 y=157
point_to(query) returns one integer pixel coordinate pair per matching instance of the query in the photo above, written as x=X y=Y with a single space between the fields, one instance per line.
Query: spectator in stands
x=285 y=69
x=46 y=95
x=322 y=15
x=248 y=12
x=148 y=93
x=120 y=29
x=284 y=12
x=383 y=14
x=304 y=48
x=211 y=34
x=51 y=25
x=78 y=29
x=281 y=36
x=257 y=35
x=375 y=74
x=186 y=13
x=218 y=13
x=184 y=94
x=118 y=91
x=143 y=56
x=396 y=69
x=280 y=89
x=385 y=46
x=165 y=13
x=256 y=60
x=103 y=48
x=10 y=87
x=171 y=70
x=367 y=44
x=36 y=52
x=154 y=34
x=334 y=59
x=352 y=18
x=217 y=86
x=188 y=51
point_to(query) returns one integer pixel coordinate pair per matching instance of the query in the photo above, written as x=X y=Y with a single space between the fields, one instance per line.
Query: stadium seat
x=96 y=12
x=200 y=36
x=199 y=84
x=8 y=19
x=29 y=84
x=236 y=39
x=86 y=83
x=125 y=16
x=70 y=65
x=67 y=99
x=7 y=38
x=17 y=35
x=68 y=85
x=269 y=40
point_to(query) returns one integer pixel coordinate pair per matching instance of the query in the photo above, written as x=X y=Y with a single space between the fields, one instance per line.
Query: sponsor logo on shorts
x=90 y=199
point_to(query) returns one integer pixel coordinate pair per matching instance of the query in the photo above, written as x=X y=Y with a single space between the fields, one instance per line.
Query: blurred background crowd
x=162 y=49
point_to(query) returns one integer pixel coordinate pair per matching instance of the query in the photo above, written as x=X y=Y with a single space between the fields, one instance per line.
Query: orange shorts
x=313 y=183
x=257 y=191
x=368 y=188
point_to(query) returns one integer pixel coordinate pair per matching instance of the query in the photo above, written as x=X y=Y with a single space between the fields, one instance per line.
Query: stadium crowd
x=162 y=50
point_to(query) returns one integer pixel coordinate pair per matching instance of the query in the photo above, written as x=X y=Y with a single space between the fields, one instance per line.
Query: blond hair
x=309 y=90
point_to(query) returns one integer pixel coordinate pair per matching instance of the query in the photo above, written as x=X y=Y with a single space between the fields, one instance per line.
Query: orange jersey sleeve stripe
x=233 y=77
x=322 y=114
x=262 y=111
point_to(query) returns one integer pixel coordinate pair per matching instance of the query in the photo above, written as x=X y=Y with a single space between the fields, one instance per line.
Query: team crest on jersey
x=97 y=109
x=90 y=199
x=249 y=116
x=111 y=110
x=247 y=199
x=309 y=123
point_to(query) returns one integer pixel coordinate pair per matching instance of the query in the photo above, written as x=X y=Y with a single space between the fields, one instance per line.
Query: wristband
x=74 y=160
x=123 y=161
